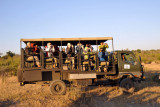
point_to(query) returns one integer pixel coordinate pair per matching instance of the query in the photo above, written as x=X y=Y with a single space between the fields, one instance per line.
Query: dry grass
x=147 y=94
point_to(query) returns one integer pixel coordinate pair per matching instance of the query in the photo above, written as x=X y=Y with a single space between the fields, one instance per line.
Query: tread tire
x=58 y=87
x=127 y=86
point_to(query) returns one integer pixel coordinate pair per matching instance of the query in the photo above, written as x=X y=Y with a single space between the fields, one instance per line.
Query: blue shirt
x=101 y=56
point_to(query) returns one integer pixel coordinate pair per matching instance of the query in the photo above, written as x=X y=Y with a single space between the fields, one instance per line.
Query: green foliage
x=158 y=58
x=5 y=57
x=10 y=64
x=138 y=50
x=9 y=53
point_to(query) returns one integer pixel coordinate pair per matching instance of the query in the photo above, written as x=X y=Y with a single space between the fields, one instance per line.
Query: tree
x=9 y=53
x=5 y=57
x=138 y=50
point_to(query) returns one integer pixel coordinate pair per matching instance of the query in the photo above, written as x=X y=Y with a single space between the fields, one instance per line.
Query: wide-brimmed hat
x=68 y=44
x=48 y=44
x=28 y=43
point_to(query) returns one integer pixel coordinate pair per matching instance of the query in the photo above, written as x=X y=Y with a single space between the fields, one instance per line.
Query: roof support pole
x=61 y=58
x=112 y=45
x=21 y=52
x=97 y=60
x=61 y=45
x=79 y=59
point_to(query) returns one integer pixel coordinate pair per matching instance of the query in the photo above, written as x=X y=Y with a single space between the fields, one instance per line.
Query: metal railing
x=77 y=62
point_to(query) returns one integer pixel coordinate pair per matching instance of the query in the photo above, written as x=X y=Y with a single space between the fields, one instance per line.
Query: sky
x=133 y=24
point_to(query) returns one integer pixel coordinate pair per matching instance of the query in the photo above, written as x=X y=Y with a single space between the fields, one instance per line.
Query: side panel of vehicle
x=37 y=75
x=32 y=75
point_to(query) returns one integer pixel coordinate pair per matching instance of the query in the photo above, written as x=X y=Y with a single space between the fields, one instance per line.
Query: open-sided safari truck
x=120 y=67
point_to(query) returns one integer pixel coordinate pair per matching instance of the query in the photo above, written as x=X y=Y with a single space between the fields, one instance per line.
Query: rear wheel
x=127 y=85
x=58 y=87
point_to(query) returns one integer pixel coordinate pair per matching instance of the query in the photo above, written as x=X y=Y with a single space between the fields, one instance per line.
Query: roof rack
x=67 y=39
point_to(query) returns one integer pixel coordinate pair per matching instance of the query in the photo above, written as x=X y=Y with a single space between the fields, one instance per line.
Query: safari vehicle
x=121 y=67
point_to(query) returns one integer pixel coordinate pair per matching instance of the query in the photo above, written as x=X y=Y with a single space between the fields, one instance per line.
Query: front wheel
x=58 y=87
x=127 y=85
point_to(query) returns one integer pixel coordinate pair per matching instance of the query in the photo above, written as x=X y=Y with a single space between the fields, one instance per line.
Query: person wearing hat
x=70 y=49
x=70 y=53
x=49 y=49
x=29 y=52
x=102 y=51
x=103 y=46
x=79 y=48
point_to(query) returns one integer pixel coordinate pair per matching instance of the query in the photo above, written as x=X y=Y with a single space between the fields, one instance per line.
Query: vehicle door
x=128 y=62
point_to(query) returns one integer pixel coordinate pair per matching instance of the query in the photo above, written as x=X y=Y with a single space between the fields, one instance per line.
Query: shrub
x=11 y=64
x=9 y=53
x=5 y=57
x=158 y=58
x=138 y=50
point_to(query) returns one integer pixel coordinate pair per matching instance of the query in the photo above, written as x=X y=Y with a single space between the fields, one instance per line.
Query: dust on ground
x=147 y=94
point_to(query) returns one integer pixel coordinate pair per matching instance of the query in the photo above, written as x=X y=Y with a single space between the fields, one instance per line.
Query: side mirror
x=140 y=59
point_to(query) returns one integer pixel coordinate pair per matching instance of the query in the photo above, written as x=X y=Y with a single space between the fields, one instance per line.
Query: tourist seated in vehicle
x=31 y=54
x=79 y=48
x=101 y=55
x=102 y=61
x=56 y=51
x=70 y=50
x=103 y=46
x=92 y=57
x=64 y=55
x=36 y=49
x=70 y=53
x=90 y=48
x=86 y=52
x=50 y=50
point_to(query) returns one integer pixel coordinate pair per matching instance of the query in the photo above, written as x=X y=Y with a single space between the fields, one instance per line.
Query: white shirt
x=49 y=50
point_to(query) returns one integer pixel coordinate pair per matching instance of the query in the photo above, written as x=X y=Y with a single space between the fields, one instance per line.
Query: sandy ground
x=147 y=94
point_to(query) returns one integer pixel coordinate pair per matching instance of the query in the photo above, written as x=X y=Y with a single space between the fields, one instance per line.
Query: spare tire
x=127 y=85
x=58 y=87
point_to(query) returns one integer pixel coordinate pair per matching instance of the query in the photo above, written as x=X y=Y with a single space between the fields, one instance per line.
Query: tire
x=127 y=85
x=58 y=87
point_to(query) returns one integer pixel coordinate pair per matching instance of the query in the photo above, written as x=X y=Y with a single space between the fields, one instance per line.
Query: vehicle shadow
x=7 y=103
x=146 y=94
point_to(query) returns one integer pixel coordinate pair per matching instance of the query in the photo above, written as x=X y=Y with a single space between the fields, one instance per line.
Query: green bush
x=158 y=58
x=138 y=50
x=10 y=65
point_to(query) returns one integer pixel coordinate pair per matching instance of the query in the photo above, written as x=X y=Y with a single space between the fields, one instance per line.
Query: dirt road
x=147 y=94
